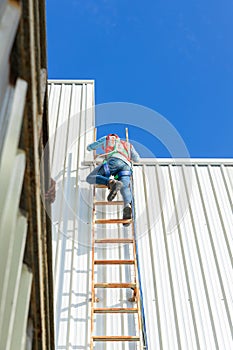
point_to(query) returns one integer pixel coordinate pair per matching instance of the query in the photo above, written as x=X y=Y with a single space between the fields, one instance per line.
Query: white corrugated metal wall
x=184 y=228
x=184 y=219
x=70 y=116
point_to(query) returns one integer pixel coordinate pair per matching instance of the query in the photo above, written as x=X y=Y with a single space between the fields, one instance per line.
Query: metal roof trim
x=59 y=81
x=178 y=161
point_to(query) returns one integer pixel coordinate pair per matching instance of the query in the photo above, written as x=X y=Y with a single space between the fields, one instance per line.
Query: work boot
x=114 y=187
x=127 y=214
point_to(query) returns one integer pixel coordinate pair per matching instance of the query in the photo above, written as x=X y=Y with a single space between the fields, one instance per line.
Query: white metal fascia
x=11 y=138
x=16 y=264
x=23 y=299
x=8 y=220
x=9 y=19
x=8 y=26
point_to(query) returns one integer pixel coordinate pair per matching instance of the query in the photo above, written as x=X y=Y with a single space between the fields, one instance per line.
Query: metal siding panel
x=220 y=268
x=146 y=228
x=187 y=318
x=59 y=151
x=193 y=261
x=204 y=253
x=172 y=255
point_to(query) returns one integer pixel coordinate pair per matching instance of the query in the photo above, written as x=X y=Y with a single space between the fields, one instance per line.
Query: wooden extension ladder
x=134 y=285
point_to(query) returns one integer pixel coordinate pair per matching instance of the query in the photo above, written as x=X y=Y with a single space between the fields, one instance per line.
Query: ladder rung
x=113 y=221
x=114 y=262
x=114 y=285
x=109 y=203
x=115 y=338
x=115 y=310
x=114 y=240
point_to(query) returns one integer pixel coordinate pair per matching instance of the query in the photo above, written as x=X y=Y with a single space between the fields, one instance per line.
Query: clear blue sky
x=175 y=57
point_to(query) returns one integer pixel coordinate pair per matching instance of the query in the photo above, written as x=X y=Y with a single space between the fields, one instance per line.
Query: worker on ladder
x=117 y=163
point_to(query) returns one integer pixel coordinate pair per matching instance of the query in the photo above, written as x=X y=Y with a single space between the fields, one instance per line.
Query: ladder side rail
x=140 y=304
x=93 y=272
x=93 y=256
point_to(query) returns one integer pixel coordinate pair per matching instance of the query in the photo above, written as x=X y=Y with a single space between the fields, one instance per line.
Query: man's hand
x=50 y=195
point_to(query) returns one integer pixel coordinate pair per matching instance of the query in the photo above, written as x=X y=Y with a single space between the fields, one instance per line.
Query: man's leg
x=125 y=190
x=127 y=196
x=97 y=176
x=114 y=165
x=114 y=187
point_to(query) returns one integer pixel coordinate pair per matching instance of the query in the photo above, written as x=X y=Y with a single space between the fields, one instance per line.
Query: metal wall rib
x=184 y=227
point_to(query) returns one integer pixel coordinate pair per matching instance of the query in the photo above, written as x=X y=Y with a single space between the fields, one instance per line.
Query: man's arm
x=94 y=145
x=134 y=155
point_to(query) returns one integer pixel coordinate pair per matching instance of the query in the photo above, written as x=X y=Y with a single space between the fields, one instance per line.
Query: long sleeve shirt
x=134 y=156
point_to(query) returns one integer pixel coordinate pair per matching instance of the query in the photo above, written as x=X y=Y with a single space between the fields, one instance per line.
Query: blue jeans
x=97 y=176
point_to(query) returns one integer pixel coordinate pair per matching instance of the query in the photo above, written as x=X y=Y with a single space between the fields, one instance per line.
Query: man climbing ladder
x=117 y=163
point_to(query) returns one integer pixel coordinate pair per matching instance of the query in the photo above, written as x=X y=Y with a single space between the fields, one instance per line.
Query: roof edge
x=65 y=81
x=203 y=161
x=178 y=161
